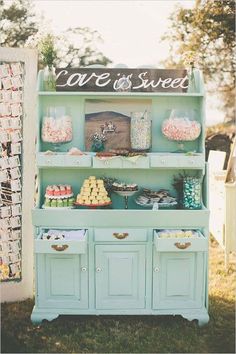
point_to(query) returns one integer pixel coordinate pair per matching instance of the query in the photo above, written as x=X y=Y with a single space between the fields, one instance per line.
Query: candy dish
x=126 y=195
x=123 y=187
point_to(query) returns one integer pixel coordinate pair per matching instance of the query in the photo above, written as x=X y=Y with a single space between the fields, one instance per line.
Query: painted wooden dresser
x=136 y=273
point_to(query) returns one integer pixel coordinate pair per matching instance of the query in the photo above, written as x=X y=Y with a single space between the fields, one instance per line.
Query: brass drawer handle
x=120 y=235
x=182 y=246
x=59 y=248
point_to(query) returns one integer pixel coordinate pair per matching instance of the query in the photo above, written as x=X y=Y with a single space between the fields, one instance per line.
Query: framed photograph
x=109 y=120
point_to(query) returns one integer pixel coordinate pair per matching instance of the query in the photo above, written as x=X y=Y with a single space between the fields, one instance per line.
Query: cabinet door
x=62 y=281
x=120 y=276
x=178 y=280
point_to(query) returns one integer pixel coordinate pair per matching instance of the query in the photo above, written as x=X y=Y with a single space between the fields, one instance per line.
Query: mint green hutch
x=140 y=274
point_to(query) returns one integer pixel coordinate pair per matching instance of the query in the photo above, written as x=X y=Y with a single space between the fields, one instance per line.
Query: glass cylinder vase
x=49 y=78
x=140 y=131
x=192 y=193
x=57 y=127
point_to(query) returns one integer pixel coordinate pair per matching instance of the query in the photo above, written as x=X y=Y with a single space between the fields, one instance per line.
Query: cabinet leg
x=202 y=319
x=37 y=317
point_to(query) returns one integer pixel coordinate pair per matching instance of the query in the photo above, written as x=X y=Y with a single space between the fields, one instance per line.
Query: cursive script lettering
x=78 y=79
x=103 y=77
x=112 y=79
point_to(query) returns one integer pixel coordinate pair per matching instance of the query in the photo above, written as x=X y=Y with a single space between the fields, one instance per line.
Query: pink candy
x=57 y=130
x=181 y=129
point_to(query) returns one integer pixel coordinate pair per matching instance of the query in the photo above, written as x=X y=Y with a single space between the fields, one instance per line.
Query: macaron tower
x=58 y=196
x=93 y=192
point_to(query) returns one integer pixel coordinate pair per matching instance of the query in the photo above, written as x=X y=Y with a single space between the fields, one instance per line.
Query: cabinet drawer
x=177 y=160
x=184 y=244
x=120 y=235
x=61 y=246
x=77 y=161
x=141 y=162
x=50 y=160
x=64 y=160
x=110 y=162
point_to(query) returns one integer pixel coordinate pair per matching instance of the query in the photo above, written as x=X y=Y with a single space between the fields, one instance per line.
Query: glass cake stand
x=126 y=195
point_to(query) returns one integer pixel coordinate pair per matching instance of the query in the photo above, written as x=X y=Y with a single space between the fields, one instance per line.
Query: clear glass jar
x=57 y=126
x=49 y=78
x=140 y=131
x=181 y=126
x=192 y=193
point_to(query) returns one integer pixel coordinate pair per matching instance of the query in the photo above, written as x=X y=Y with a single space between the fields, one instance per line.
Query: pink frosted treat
x=181 y=129
x=57 y=130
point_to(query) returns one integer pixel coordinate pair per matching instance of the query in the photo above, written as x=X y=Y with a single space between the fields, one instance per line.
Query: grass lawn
x=130 y=334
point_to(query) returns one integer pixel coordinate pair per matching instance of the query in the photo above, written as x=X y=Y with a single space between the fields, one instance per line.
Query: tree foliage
x=76 y=47
x=17 y=22
x=208 y=30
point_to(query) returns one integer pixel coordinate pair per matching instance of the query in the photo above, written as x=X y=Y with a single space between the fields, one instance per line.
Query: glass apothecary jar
x=140 y=130
x=57 y=127
x=192 y=194
x=181 y=126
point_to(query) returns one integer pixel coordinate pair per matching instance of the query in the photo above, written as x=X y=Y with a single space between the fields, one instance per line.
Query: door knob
x=156 y=269
x=84 y=269
x=98 y=270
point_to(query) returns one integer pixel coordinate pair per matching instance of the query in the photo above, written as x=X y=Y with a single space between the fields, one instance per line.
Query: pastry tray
x=160 y=205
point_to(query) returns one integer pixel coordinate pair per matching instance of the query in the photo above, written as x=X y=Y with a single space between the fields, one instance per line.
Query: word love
x=148 y=80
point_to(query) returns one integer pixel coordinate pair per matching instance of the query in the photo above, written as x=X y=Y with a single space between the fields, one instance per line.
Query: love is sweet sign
x=131 y=80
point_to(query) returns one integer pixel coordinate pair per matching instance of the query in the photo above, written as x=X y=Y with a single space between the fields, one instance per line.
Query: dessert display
x=125 y=190
x=148 y=197
x=181 y=126
x=59 y=196
x=181 y=129
x=140 y=131
x=123 y=187
x=93 y=193
x=178 y=234
x=57 y=127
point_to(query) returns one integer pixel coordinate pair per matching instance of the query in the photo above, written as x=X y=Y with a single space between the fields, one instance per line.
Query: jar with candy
x=192 y=193
x=57 y=127
x=181 y=126
x=140 y=131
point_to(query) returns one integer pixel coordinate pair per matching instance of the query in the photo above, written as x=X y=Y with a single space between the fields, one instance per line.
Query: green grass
x=129 y=334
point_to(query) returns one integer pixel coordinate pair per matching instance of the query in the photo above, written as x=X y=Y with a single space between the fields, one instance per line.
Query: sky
x=131 y=30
